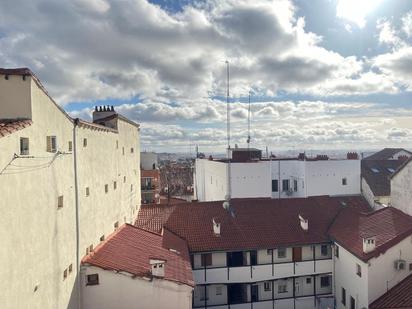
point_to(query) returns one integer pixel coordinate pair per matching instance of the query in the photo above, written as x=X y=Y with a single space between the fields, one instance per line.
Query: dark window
x=253 y=257
x=84 y=142
x=410 y=266
x=92 y=279
x=295 y=185
x=281 y=253
x=206 y=259
x=285 y=184
x=24 y=146
x=352 y=303
x=268 y=286
x=324 y=281
x=344 y=181
x=308 y=280
x=343 y=295
x=337 y=251
x=358 y=270
x=324 y=250
x=275 y=185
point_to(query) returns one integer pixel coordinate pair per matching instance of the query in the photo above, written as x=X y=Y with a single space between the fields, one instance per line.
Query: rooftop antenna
x=226 y=204
x=248 y=124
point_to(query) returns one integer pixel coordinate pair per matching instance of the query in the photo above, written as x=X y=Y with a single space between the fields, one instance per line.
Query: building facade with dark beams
x=264 y=253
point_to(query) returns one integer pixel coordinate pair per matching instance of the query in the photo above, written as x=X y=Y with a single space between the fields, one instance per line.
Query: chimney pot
x=368 y=244
x=304 y=223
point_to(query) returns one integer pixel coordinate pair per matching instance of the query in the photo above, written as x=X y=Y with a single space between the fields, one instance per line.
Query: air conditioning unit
x=400 y=264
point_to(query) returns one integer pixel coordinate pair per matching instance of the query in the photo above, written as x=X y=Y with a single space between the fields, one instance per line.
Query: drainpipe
x=76 y=195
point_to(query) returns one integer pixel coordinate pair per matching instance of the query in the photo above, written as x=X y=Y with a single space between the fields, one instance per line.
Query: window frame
x=206 y=259
x=24 y=146
x=51 y=143
x=281 y=256
x=92 y=282
x=275 y=185
x=287 y=187
x=322 y=283
x=267 y=286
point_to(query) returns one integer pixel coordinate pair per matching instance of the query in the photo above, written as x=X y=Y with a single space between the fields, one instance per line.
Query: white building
x=135 y=268
x=276 y=178
x=65 y=184
x=290 y=253
x=401 y=187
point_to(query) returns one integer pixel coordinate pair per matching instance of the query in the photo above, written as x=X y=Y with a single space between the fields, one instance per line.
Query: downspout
x=76 y=195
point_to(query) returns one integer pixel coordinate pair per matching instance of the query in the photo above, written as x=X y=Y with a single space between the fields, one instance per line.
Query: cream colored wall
x=39 y=239
x=116 y=290
x=401 y=189
x=16 y=93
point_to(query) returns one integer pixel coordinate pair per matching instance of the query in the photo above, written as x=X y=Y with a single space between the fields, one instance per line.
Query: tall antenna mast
x=228 y=196
x=248 y=124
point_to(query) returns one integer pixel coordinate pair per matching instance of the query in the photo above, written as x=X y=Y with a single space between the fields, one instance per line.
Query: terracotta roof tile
x=153 y=217
x=257 y=223
x=10 y=126
x=130 y=249
x=388 y=225
x=399 y=296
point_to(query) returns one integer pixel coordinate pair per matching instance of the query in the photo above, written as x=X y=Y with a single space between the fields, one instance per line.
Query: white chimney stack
x=216 y=228
x=158 y=268
x=368 y=244
x=304 y=224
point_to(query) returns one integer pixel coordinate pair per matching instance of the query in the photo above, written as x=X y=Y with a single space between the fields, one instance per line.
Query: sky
x=322 y=74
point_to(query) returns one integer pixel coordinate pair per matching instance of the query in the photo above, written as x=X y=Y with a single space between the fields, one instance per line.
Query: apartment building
x=290 y=253
x=275 y=177
x=376 y=172
x=135 y=267
x=65 y=184
x=150 y=178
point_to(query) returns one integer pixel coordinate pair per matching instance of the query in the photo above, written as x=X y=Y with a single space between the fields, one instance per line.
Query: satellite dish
x=226 y=205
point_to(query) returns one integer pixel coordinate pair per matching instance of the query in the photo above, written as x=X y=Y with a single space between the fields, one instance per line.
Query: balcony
x=148 y=187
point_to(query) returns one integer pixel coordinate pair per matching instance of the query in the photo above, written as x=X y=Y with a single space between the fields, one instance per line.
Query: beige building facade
x=65 y=184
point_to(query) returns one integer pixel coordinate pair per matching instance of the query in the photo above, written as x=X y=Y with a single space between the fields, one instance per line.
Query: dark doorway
x=297 y=254
x=255 y=293
x=236 y=259
x=237 y=293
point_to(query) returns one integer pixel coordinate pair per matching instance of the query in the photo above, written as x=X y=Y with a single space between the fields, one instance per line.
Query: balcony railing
x=148 y=187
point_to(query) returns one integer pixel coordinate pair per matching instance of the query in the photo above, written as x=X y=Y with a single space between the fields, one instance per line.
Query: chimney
x=216 y=227
x=158 y=268
x=368 y=244
x=103 y=112
x=304 y=224
x=352 y=156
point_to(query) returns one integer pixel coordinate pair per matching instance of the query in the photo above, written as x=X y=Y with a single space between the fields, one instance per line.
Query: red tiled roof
x=130 y=249
x=153 y=217
x=400 y=296
x=256 y=224
x=10 y=126
x=388 y=225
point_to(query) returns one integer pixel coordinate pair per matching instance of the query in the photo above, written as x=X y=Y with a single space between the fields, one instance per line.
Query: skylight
x=375 y=170
x=390 y=169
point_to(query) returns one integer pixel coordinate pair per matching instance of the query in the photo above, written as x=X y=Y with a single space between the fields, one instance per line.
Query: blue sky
x=324 y=74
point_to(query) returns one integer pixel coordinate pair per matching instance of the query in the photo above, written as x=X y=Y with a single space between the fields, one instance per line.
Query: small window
x=106 y=188
x=282 y=288
x=343 y=297
x=91 y=248
x=337 y=251
x=87 y=250
x=92 y=279
x=116 y=224
x=267 y=286
x=295 y=185
x=285 y=185
x=131 y=187
x=65 y=274
x=275 y=185
x=117 y=144
x=352 y=303
x=87 y=191
x=308 y=280
x=324 y=281
x=358 y=270
x=24 y=146
x=344 y=181
x=70 y=146
x=124 y=178
x=218 y=290
x=206 y=259
x=123 y=150
x=269 y=251
x=102 y=238
x=51 y=144
x=84 y=142
x=70 y=268
x=131 y=150
x=324 y=250
x=115 y=185
x=281 y=253
x=60 y=201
